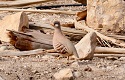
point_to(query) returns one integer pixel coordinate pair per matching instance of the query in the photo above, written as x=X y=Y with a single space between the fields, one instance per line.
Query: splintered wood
x=30 y=40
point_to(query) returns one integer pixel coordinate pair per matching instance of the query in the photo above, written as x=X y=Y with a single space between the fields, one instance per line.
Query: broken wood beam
x=48 y=26
x=99 y=50
x=121 y=37
x=56 y=6
x=40 y=11
x=109 y=50
x=21 y=53
x=42 y=51
x=110 y=39
x=30 y=40
x=109 y=55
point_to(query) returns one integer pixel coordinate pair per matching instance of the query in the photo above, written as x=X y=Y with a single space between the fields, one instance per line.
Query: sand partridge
x=61 y=44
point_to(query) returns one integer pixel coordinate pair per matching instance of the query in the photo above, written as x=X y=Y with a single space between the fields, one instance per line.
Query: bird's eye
x=56 y=25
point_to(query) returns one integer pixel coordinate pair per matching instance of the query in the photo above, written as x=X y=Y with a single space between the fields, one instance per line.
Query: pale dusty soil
x=40 y=67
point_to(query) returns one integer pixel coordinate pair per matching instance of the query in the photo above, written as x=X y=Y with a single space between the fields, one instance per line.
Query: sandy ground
x=43 y=67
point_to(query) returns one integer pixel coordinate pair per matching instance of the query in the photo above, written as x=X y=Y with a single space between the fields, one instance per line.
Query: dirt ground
x=43 y=67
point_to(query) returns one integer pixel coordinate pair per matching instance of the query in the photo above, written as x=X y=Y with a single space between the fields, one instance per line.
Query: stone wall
x=106 y=14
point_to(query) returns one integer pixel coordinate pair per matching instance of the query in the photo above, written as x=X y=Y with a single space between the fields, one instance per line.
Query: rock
x=77 y=74
x=2 y=48
x=83 y=23
x=89 y=69
x=15 y=22
x=64 y=74
x=75 y=64
x=106 y=14
x=48 y=57
x=1 y=78
x=86 y=46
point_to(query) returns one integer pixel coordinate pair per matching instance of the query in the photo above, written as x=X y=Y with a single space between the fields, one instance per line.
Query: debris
x=30 y=40
x=117 y=36
x=88 y=69
x=46 y=57
x=1 y=78
x=21 y=53
x=15 y=22
x=82 y=1
x=86 y=46
x=66 y=30
x=77 y=74
x=18 y=3
x=40 y=11
x=2 y=48
x=81 y=15
x=70 y=25
x=112 y=58
x=57 y=6
x=107 y=55
x=64 y=74
x=109 y=50
x=113 y=40
x=122 y=58
x=75 y=64
x=83 y=23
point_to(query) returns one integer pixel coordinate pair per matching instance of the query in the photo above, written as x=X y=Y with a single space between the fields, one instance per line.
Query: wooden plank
x=48 y=26
x=109 y=55
x=30 y=40
x=21 y=53
x=21 y=2
x=109 y=50
x=40 y=11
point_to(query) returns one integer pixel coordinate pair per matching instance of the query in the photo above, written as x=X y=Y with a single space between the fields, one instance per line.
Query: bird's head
x=56 y=24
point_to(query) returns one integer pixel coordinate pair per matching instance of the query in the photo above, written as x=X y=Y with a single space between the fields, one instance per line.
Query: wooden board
x=20 y=2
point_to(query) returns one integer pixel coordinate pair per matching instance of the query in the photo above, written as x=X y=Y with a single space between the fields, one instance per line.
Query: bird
x=61 y=44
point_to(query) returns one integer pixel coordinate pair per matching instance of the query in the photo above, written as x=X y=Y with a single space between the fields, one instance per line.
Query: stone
x=106 y=14
x=86 y=46
x=83 y=23
x=77 y=74
x=2 y=48
x=48 y=57
x=1 y=78
x=16 y=22
x=89 y=69
x=64 y=74
x=75 y=64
